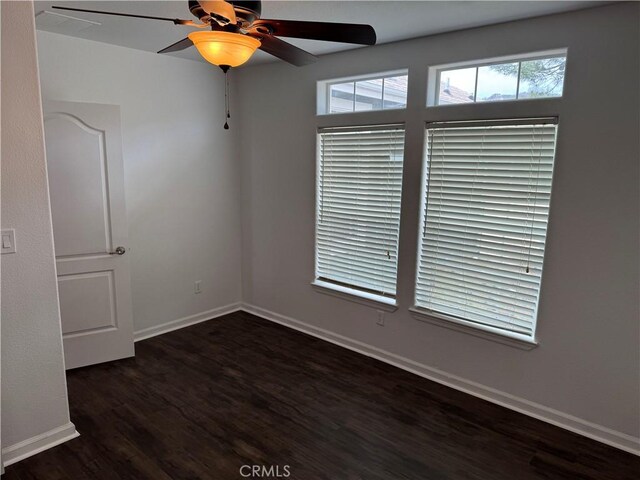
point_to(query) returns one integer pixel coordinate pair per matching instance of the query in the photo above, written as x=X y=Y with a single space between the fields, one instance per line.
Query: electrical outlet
x=380 y=320
x=196 y=287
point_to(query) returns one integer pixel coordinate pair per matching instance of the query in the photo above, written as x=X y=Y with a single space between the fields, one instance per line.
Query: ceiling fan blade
x=179 y=45
x=176 y=21
x=330 y=32
x=284 y=51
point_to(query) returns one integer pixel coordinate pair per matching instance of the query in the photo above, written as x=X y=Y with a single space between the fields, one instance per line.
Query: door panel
x=76 y=153
x=87 y=302
x=86 y=184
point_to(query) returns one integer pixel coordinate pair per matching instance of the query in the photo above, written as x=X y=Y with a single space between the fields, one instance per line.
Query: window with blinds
x=486 y=206
x=359 y=182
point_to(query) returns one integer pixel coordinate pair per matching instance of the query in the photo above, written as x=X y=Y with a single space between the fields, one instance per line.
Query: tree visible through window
x=538 y=78
x=516 y=79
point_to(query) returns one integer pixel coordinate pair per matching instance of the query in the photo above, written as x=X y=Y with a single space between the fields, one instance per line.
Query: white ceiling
x=392 y=20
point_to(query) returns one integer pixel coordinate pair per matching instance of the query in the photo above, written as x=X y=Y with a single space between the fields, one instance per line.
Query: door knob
x=118 y=251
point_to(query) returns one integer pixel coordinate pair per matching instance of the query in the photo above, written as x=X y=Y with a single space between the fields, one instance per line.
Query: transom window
x=539 y=75
x=361 y=94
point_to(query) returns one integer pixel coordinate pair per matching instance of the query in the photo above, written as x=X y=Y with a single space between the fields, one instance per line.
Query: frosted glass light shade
x=224 y=48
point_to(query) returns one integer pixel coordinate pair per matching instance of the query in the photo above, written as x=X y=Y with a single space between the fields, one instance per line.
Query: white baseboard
x=569 y=422
x=185 y=322
x=39 y=443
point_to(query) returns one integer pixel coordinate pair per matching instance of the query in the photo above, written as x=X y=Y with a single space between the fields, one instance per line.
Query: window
x=359 y=185
x=485 y=212
x=532 y=76
x=378 y=92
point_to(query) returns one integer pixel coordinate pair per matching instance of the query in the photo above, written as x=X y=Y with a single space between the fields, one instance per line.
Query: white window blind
x=486 y=206
x=358 y=207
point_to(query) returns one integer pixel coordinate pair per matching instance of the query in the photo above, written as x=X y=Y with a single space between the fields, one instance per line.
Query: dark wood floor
x=201 y=402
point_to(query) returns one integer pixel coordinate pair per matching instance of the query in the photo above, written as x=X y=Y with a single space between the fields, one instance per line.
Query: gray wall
x=34 y=393
x=181 y=169
x=586 y=370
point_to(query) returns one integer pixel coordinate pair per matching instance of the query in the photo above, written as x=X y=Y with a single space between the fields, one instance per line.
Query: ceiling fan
x=235 y=30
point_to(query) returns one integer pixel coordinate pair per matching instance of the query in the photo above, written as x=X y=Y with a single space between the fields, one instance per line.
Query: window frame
x=435 y=71
x=414 y=117
x=352 y=293
x=323 y=94
x=521 y=341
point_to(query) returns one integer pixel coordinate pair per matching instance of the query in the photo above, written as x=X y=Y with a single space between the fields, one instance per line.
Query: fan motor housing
x=246 y=11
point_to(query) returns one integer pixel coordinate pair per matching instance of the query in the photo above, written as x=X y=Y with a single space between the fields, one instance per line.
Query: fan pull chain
x=225 y=69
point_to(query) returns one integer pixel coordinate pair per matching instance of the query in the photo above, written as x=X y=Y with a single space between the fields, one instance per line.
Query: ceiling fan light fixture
x=224 y=48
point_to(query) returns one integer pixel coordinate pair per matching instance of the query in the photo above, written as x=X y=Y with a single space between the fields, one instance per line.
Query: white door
x=86 y=185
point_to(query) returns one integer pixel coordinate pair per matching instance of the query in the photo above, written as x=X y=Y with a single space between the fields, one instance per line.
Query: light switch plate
x=8 y=241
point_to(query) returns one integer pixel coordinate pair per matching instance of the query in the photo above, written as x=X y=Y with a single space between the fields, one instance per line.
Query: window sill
x=496 y=102
x=506 y=338
x=330 y=114
x=369 y=299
